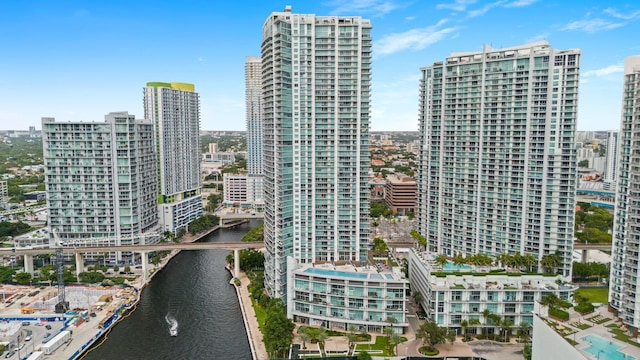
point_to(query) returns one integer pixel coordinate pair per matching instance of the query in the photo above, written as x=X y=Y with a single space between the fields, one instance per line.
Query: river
x=194 y=289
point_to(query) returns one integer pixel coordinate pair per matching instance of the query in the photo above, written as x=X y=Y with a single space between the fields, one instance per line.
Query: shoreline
x=252 y=328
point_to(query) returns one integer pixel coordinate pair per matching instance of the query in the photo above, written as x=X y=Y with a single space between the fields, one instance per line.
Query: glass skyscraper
x=497 y=157
x=623 y=287
x=316 y=80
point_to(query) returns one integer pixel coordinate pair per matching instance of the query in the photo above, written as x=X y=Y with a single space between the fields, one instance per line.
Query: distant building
x=174 y=109
x=220 y=158
x=255 y=127
x=4 y=192
x=243 y=190
x=101 y=180
x=213 y=148
x=611 y=173
x=401 y=194
x=35 y=196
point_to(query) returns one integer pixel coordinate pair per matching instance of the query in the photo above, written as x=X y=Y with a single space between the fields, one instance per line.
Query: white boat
x=173 y=324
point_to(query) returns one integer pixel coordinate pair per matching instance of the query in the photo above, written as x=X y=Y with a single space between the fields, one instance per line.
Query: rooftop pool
x=353 y=275
x=449 y=266
x=604 y=349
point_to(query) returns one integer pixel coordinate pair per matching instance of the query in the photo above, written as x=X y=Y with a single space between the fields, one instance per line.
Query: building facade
x=623 y=286
x=101 y=180
x=253 y=98
x=316 y=81
x=498 y=161
x=242 y=190
x=4 y=192
x=174 y=109
x=611 y=173
x=453 y=295
x=400 y=194
x=341 y=296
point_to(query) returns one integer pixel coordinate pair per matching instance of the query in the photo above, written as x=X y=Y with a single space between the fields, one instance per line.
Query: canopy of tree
x=593 y=224
x=13 y=228
x=205 y=222
x=255 y=234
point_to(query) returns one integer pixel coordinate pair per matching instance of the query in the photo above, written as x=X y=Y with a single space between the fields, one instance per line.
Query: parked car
x=48 y=327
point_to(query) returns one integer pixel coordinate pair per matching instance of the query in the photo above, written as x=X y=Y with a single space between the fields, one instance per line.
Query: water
x=604 y=349
x=194 y=290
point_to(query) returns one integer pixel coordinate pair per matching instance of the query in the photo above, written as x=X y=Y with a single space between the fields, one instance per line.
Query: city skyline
x=75 y=61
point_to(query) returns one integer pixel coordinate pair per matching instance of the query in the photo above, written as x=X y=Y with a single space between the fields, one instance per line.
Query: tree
x=583 y=163
x=550 y=262
x=352 y=336
x=441 y=260
x=486 y=313
x=551 y=300
x=463 y=327
x=422 y=241
x=304 y=337
x=432 y=334
x=475 y=323
x=363 y=355
x=6 y=274
x=23 y=278
x=418 y=298
x=278 y=329
x=524 y=332
x=505 y=327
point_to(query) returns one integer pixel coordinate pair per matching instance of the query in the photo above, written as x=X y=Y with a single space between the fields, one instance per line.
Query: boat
x=173 y=325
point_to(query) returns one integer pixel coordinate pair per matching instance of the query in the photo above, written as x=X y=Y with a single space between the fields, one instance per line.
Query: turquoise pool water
x=604 y=349
x=354 y=275
x=449 y=266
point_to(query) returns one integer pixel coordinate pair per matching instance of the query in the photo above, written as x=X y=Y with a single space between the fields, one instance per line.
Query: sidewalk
x=254 y=335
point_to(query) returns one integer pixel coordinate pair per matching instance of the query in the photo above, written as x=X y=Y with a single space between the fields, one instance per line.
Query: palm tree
x=530 y=261
x=551 y=300
x=505 y=326
x=463 y=327
x=486 y=314
x=458 y=259
x=441 y=260
x=474 y=322
x=418 y=298
x=524 y=332
x=550 y=262
x=304 y=337
x=352 y=336
x=495 y=321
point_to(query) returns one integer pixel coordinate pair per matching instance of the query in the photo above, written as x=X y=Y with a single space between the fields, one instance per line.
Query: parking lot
x=24 y=337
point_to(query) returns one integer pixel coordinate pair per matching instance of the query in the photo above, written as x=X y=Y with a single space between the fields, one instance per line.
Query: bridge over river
x=28 y=253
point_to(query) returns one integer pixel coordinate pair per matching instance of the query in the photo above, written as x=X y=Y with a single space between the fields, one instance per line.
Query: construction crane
x=63 y=305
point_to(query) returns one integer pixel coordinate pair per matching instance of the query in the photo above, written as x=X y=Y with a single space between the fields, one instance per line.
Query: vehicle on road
x=9 y=354
x=48 y=327
x=28 y=338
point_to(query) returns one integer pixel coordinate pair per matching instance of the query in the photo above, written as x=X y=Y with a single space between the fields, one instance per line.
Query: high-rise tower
x=253 y=94
x=611 y=173
x=316 y=79
x=101 y=180
x=174 y=109
x=624 y=297
x=498 y=161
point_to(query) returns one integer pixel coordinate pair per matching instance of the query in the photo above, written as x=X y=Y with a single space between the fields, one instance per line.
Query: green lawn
x=380 y=344
x=595 y=295
x=261 y=313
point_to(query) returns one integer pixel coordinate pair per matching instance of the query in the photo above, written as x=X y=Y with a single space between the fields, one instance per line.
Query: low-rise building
x=401 y=194
x=242 y=190
x=341 y=296
x=453 y=293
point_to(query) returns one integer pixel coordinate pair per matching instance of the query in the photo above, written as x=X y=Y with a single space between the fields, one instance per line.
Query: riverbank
x=254 y=335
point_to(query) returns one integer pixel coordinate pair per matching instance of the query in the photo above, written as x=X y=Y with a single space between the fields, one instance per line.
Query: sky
x=79 y=60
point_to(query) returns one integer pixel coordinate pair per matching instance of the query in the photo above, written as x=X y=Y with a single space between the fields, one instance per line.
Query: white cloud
x=519 y=3
x=611 y=69
x=592 y=25
x=484 y=9
x=458 y=5
x=628 y=16
x=409 y=18
x=376 y=7
x=415 y=39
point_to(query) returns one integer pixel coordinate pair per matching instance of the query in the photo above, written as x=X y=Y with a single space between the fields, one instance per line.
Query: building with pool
x=451 y=294
x=338 y=296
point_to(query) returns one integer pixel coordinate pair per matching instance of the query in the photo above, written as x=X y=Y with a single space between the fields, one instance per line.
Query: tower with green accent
x=174 y=109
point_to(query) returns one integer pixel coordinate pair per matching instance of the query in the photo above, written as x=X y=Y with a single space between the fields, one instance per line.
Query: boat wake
x=173 y=324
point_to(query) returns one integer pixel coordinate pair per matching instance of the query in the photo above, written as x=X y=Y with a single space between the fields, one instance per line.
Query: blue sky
x=78 y=60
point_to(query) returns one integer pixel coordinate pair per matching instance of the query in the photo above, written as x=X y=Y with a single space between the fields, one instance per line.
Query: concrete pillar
x=145 y=266
x=236 y=263
x=79 y=264
x=28 y=264
x=585 y=256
